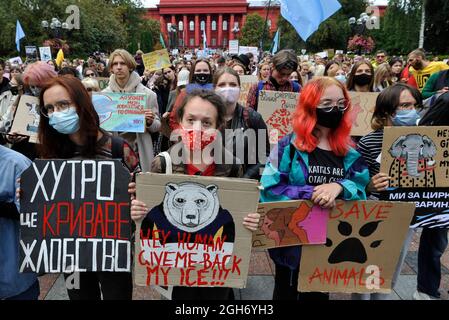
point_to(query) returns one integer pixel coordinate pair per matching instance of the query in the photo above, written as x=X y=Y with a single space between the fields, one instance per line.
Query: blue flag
x=204 y=40
x=19 y=34
x=276 y=39
x=307 y=15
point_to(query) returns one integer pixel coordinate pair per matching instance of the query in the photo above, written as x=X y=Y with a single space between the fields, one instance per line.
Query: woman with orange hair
x=316 y=162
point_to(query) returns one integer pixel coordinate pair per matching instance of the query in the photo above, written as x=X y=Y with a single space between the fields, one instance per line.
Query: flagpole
x=265 y=26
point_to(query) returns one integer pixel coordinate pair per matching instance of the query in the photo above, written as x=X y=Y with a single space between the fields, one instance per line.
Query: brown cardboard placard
x=363 y=104
x=416 y=157
x=27 y=117
x=209 y=212
x=246 y=82
x=289 y=223
x=103 y=82
x=365 y=239
x=277 y=109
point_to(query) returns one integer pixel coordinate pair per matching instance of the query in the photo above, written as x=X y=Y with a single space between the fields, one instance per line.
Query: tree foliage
x=104 y=25
x=253 y=30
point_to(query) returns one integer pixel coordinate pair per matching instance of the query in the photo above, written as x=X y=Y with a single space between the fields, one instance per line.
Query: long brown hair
x=53 y=144
x=350 y=83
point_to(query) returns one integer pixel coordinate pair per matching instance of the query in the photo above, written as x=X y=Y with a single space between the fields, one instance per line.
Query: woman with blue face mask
x=70 y=128
x=396 y=105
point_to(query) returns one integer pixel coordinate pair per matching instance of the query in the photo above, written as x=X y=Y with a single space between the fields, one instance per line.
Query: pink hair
x=38 y=73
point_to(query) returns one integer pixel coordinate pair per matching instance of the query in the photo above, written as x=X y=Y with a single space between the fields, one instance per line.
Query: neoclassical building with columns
x=184 y=22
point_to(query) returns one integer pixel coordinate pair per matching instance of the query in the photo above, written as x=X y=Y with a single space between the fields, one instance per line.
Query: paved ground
x=261 y=281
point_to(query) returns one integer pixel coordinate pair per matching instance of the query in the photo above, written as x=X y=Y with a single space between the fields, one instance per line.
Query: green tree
x=253 y=30
x=437 y=26
x=332 y=33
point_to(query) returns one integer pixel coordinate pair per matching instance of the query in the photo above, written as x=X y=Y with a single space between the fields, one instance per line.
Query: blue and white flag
x=307 y=15
x=276 y=39
x=19 y=34
x=204 y=40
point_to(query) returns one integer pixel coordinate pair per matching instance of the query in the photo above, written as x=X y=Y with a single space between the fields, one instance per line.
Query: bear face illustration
x=191 y=206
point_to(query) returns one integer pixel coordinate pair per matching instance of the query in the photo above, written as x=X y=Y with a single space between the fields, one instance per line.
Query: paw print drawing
x=352 y=249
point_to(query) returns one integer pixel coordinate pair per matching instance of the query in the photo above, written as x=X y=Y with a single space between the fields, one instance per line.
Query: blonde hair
x=126 y=56
x=92 y=84
x=382 y=71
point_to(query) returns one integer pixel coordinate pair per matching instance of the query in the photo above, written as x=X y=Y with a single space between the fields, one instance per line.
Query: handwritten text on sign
x=75 y=217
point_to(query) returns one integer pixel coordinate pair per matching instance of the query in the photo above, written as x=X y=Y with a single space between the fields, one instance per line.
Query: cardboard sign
x=75 y=216
x=193 y=234
x=290 y=223
x=364 y=242
x=245 y=50
x=27 y=117
x=103 y=82
x=16 y=60
x=156 y=60
x=246 y=82
x=363 y=104
x=233 y=47
x=45 y=53
x=417 y=160
x=277 y=109
x=121 y=112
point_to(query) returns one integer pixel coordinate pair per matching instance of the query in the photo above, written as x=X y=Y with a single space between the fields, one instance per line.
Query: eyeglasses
x=61 y=106
x=90 y=74
x=328 y=105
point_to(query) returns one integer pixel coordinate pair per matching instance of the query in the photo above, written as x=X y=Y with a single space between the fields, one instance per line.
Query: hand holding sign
x=149 y=117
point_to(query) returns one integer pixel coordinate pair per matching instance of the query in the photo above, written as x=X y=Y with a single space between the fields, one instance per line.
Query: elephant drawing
x=414 y=164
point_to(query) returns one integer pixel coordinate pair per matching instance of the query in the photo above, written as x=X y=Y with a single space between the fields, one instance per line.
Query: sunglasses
x=90 y=74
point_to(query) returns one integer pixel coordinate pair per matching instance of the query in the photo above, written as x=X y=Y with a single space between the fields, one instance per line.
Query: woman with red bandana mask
x=198 y=120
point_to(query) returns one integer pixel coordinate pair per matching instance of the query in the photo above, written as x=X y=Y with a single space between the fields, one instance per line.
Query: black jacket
x=244 y=119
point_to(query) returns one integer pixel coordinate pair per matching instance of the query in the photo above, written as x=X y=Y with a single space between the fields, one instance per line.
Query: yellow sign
x=156 y=60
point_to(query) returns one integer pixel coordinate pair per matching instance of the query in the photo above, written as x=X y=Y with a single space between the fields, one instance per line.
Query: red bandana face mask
x=196 y=140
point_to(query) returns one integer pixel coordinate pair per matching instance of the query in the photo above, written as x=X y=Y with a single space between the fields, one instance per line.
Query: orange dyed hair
x=304 y=118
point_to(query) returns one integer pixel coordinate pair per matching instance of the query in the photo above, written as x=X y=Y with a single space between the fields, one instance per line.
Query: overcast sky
x=151 y=3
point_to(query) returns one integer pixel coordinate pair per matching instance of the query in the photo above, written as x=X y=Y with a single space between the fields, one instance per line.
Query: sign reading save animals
x=193 y=234
x=277 y=109
x=288 y=223
x=27 y=117
x=364 y=241
x=74 y=217
x=156 y=60
x=363 y=104
x=417 y=160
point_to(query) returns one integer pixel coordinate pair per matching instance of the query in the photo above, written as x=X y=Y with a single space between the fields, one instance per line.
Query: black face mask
x=362 y=79
x=329 y=120
x=202 y=78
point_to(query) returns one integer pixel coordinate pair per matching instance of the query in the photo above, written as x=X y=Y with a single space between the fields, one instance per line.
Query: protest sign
x=156 y=60
x=31 y=52
x=75 y=216
x=364 y=241
x=417 y=160
x=16 y=60
x=246 y=83
x=277 y=109
x=45 y=53
x=193 y=234
x=103 y=82
x=363 y=104
x=233 y=47
x=253 y=50
x=27 y=117
x=288 y=223
x=122 y=112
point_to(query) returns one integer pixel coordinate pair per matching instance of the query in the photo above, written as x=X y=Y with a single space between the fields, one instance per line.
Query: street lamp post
x=360 y=26
x=55 y=26
x=173 y=37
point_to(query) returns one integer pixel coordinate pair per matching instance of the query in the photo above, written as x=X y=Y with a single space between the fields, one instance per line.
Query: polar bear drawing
x=190 y=206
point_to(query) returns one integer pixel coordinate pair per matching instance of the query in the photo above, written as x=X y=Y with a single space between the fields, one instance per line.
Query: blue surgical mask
x=406 y=118
x=65 y=122
x=341 y=78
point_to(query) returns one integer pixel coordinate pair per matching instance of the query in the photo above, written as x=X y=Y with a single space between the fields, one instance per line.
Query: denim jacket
x=12 y=283
x=287 y=181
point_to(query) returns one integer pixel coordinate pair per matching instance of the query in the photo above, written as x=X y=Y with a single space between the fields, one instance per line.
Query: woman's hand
x=324 y=195
x=132 y=190
x=379 y=182
x=149 y=117
x=14 y=137
x=251 y=221
x=138 y=210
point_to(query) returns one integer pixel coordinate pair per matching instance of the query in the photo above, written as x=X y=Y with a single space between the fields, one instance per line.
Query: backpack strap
x=166 y=163
x=117 y=147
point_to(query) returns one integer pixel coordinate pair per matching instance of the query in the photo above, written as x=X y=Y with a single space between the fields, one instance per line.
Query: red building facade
x=184 y=22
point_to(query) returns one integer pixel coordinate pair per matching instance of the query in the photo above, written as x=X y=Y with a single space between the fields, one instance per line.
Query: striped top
x=370 y=147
